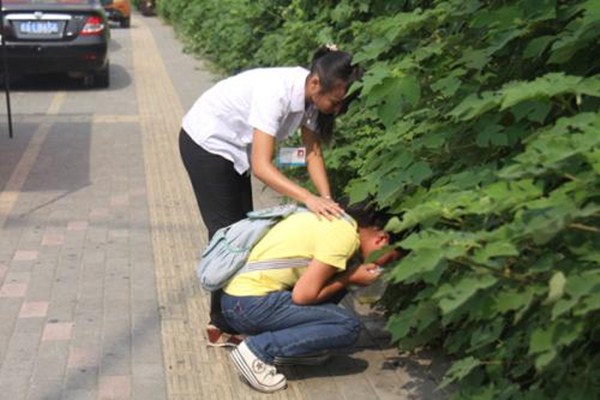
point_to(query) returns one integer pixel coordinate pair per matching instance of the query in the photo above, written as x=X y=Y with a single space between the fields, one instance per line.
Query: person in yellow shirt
x=288 y=312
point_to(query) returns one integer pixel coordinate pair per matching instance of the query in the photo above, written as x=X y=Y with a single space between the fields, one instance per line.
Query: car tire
x=125 y=22
x=102 y=76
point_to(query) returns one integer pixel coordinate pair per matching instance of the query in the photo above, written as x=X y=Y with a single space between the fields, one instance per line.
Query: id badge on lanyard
x=292 y=156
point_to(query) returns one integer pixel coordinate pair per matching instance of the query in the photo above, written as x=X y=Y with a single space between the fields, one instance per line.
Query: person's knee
x=352 y=327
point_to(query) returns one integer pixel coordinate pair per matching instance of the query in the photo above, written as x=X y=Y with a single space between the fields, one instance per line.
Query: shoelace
x=260 y=367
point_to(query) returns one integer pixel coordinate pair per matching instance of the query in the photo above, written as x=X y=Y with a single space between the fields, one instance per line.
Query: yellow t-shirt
x=301 y=235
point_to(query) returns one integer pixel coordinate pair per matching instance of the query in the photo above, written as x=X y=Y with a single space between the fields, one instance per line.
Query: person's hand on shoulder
x=324 y=207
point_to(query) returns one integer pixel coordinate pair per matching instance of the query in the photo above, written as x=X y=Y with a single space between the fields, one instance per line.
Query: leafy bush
x=479 y=126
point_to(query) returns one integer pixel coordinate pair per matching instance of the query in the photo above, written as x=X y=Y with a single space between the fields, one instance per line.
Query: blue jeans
x=279 y=328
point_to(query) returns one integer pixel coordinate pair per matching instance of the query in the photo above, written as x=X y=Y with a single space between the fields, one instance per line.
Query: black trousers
x=223 y=196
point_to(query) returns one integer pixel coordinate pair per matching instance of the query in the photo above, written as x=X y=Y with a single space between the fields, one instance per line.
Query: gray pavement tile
x=83 y=378
x=81 y=394
x=51 y=361
x=45 y=390
x=149 y=388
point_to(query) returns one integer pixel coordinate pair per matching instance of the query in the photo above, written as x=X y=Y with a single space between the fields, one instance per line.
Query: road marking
x=57 y=103
x=12 y=189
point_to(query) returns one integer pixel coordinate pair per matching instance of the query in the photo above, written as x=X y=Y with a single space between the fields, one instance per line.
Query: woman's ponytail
x=333 y=67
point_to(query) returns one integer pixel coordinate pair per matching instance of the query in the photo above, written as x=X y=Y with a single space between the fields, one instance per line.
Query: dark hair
x=333 y=67
x=367 y=215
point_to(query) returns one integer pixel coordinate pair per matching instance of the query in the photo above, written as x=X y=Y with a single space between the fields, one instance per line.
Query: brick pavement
x=100 y=230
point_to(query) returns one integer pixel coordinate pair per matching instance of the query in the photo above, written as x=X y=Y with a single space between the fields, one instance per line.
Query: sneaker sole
x=224 y=344
x=217 y=338
x=246 y=372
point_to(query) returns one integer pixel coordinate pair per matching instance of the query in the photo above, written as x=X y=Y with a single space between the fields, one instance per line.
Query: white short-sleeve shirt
x=223 y=119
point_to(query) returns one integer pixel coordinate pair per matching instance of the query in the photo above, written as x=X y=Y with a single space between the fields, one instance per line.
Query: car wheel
x=102 y=76
x=125 y=22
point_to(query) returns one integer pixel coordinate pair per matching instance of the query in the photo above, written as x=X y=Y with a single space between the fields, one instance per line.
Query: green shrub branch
x=478 y=125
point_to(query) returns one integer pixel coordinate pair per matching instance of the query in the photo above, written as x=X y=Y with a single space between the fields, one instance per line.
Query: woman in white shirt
x=234 y=126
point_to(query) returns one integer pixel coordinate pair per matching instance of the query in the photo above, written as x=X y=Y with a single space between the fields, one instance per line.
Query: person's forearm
x=315 y=164
x=277 y=181
x=336 y=284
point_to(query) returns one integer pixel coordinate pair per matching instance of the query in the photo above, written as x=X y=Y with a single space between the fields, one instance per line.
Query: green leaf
x=579 y=33
x=475 y=105
x=583 y=284
x=374 y=77
x=533 y=110
x=593 y=158
x=358 y=190
x=394 y=225
x=415 y=264
x=544 y=359
x=562 y=306
x=491 y=135
x=453 y=295
x=389 y=186
x=548 y=85
x=590 y=86
x=587 y=305
x=568 y=137
x=419 y=214
x=487 y=333
x=399 y=325
x=373 y=50
x=493 y=250
x=557 y=287
x=537 y=46
x=459 y=370
x=512 y=300
x=393 y=94
x=546 y=342
x=506 y=194
x=447 y=86
x=541 y=341
x=418 y=172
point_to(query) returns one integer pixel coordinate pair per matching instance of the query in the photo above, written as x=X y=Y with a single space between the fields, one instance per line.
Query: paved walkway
x=98 y=298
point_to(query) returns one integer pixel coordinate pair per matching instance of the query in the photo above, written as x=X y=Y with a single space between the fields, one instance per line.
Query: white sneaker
x=260 y=376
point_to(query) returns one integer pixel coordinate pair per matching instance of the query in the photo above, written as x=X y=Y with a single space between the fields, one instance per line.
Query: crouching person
x=287 y=307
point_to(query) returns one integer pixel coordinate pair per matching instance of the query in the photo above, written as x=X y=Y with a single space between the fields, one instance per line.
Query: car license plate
x=39 y=27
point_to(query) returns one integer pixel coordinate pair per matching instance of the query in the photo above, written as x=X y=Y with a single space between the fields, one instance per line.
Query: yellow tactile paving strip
x=193 y=371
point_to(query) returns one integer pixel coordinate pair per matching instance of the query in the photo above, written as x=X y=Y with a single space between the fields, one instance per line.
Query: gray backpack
x=228 y=250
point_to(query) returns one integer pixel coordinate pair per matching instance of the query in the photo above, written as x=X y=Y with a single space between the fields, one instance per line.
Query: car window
x=45 y=2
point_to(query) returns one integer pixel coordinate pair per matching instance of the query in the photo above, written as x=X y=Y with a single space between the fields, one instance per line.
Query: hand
x=323 y=207
x=365 y=274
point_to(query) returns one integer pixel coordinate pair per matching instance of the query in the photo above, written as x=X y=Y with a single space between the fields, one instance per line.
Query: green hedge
x=479 y=126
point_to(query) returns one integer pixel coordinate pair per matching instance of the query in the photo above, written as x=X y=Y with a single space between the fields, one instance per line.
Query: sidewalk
x=100 y=231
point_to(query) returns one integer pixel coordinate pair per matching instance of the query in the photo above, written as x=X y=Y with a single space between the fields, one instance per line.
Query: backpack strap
x=275 y=264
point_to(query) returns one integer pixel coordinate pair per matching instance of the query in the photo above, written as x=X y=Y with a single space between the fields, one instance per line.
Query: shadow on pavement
x=338 y=365
x=62 y=166
x=119 y=79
